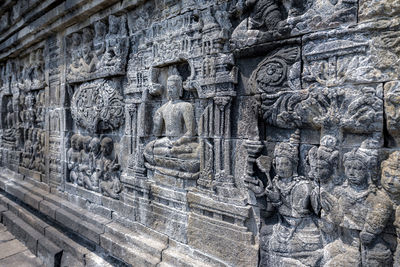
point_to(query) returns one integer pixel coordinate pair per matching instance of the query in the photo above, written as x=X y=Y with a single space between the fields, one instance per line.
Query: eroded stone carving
x=290 y=195
x=99 y=50
x=93 y=165
x=176 y=147
x=97 y=106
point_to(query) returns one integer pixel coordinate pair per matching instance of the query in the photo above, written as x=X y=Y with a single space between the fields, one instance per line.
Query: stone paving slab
x=13 y=253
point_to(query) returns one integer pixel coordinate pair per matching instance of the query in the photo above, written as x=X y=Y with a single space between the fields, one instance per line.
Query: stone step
x=74 y=218
x=138 y=240
x=36 y=242
x=126 y=252
x=73 y=253
x=77 y=211
x=178 y=254
x=142 y=249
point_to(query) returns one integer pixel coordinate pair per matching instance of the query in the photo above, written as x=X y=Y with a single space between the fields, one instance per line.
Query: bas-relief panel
x=255 y=132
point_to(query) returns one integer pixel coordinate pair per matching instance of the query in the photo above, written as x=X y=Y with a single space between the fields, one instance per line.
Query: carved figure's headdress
x=392 y=162
x=289 y=149
x=367 y=154
x=327 y=151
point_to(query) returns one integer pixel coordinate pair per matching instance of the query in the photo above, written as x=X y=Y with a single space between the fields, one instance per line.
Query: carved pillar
x=224 y=182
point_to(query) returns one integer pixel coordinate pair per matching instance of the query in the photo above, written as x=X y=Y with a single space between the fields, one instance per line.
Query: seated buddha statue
x=176 y=147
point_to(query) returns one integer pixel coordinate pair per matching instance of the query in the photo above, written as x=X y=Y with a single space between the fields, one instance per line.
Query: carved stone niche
x=266 y=20
x=97 y=51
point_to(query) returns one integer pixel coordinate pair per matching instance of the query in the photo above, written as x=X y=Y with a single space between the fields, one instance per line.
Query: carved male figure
x=87 y=62
x=392 y=110
x=84 y=169
x=323 y=161
x=110 y=184
x=98 y=41
x=76 y=53
x=92 y=182
x=9 y=132
x=377 y=236
x=349 y=212
x=116 y=41
x=290 y=195
x=73 y=158
x=27 y=148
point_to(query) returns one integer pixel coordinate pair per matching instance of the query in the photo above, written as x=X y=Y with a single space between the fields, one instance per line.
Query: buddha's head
x=174 y=87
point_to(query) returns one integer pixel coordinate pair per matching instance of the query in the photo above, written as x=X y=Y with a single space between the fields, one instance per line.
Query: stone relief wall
x=228 y=133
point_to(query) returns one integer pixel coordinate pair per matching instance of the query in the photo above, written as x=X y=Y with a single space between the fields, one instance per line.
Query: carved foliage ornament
x=97 y=106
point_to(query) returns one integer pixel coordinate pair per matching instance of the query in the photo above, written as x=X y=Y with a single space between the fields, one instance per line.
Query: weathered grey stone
x=201 y=133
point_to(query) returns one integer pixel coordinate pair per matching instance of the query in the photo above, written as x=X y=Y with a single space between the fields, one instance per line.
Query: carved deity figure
x=38 y=75
x=110 y=184
x=350 y=211
x=116 y=40
x=92 y=182
x=76 y=53
x=84 y=168
x=295 y=239
x=26 y=154
x=10 y=131
x=392 y=110
x=98 y=41
x=29 y=113
x=87 y=62
x=38 y=163
x=323 y=162
x=378 y=234
x=73 y=158
x=174 y=125
x=35 y=148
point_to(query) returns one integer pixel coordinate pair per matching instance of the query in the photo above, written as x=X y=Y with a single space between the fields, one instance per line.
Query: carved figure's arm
x=158 y=123
x=376 y=220
x=188 y=116
x=301 y=199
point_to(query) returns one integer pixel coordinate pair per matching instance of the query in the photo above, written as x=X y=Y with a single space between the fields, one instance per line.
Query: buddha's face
x=173 y=89
x=284 y=167
x=356 y=172
x=390 y=180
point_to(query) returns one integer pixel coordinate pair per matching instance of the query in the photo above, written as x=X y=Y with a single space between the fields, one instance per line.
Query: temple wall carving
x=203 y=133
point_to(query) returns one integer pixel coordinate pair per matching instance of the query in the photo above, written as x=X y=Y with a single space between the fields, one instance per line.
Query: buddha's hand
x=183 y=140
